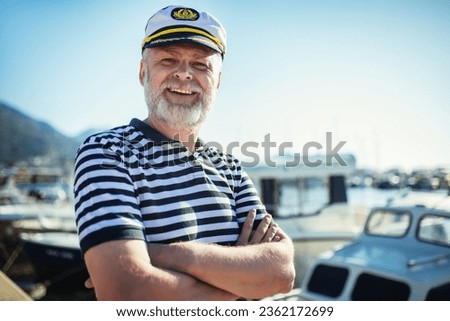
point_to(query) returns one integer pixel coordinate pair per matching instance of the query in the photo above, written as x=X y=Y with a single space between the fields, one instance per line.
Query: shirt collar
x=157 y=137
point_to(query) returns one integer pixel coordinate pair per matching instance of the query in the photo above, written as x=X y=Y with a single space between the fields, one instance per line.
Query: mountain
x=80 y=138
x=23 y=138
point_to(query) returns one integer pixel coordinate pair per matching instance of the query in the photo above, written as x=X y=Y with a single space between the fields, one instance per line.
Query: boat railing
x=427 y=260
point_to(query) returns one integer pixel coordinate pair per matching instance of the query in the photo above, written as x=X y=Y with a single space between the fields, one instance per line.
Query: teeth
x=181 y=91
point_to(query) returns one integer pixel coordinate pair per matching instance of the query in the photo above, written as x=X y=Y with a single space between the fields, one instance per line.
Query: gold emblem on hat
x=185 y=14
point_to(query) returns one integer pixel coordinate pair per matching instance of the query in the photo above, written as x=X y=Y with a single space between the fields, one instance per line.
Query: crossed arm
x=260 y=265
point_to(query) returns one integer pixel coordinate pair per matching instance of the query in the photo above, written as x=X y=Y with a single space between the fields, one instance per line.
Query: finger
x=88 y=284
x=247 y=228
x=261 y=230
x=271 y=232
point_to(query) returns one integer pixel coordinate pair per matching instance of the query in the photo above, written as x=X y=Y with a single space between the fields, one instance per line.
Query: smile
x=181 y=91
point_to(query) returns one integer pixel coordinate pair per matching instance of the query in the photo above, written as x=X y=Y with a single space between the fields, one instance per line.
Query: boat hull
x=57 y=260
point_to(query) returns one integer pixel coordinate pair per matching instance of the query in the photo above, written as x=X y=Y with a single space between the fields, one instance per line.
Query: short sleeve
x=247 y=198
x=106 y=205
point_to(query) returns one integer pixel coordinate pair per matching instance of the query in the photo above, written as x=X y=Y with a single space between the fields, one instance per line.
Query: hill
x=23 y=138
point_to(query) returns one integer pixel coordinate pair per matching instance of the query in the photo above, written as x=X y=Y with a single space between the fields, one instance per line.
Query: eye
x=168 y=61
x=200 y=65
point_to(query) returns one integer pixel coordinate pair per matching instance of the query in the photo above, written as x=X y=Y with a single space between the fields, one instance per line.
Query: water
x=371 y=196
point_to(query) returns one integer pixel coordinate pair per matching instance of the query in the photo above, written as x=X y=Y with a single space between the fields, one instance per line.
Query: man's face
x=180 y=83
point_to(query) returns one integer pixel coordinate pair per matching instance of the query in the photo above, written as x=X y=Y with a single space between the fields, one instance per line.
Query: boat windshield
x=388 y=223
x=434 y=229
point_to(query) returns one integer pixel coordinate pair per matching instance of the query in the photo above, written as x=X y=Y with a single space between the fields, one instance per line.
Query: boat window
x=388 y=223
x=369 y=287
x=439 y=293
x=434 y=229
x=293 y=197
x=328 y=280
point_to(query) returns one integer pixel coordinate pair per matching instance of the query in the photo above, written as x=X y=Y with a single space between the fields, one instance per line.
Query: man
x=160 y=216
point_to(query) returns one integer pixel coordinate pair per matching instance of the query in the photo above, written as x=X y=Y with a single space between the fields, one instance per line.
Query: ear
x=218 y=80
x=142 y=72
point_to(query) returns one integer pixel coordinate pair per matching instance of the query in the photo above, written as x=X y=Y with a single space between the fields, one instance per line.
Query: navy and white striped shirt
x=132 y=182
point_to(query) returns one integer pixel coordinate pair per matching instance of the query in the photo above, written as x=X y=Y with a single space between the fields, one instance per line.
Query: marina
x=318 y=208
x=38 y=240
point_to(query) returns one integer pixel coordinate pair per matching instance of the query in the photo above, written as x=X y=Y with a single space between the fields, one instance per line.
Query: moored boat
x=403 y=253
x=56 y=257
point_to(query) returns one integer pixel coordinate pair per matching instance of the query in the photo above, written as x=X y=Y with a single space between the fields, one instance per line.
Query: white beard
x=178 y=116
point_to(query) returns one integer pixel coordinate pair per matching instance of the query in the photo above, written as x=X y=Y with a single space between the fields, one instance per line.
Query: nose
x=183 y=72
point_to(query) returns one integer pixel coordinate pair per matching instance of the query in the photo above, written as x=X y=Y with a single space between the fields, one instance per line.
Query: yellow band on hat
x=182 y=29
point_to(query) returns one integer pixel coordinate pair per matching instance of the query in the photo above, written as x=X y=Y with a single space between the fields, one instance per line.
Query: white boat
x=309 y=203
x=403 y=253
x=299 y=190
x=37 y=217
x=35 y=200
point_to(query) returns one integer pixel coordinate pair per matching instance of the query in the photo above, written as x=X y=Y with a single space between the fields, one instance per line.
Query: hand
x=266 y=231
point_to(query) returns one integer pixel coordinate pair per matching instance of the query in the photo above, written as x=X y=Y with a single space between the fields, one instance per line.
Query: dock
x=9 y=291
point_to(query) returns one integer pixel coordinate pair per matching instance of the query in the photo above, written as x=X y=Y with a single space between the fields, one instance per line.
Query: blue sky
x=374 y=73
